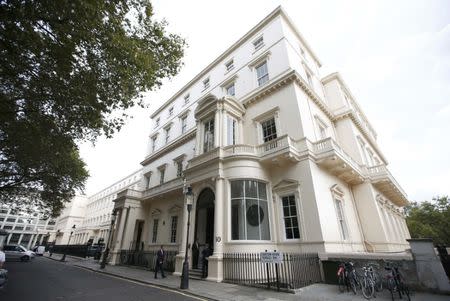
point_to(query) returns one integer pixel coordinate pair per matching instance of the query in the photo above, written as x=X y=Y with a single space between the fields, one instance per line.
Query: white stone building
x=278 y=157
x=73 y=214
x=98 y=208
x=26 y=229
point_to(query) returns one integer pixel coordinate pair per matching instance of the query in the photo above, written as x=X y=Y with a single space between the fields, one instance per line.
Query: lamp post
x=106 y=253
x=65 y=250
x=185 y=273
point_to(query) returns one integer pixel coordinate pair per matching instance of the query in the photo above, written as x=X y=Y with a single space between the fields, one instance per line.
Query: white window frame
x=187 y=98
x=155 y=230
x=173 y=229
x=183 y=124
x=299 y=218
x=229 y=65
x=258 y=43
x=206 y=148
x=274 y=112
x=266 y=75
x=231 y=85
x=170 y=111
x=230 y=120
x=167 y=133
x=154 y=140
x=337 y=195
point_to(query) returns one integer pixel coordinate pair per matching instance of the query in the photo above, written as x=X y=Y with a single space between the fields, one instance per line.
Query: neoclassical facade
x=278 y=157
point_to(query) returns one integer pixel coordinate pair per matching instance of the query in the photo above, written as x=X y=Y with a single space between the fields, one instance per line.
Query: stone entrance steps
x=195 y=274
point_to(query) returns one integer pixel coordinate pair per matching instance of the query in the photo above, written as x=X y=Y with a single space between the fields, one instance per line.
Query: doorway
x=204 y=221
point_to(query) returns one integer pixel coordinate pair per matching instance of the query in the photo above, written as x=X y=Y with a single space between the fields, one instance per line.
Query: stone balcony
x=326 y=153
x=384 y=181
x=330 y=156
x=166 y=187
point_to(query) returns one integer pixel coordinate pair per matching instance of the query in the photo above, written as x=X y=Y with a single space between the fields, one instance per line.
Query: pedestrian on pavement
x=195 y=253
x=2 y=257
x=3 y=273
x=205 y=253
x=159 y=262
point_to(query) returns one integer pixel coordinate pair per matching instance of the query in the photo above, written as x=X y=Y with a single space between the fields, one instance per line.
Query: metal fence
x=147 y=259
x=73 y=250
x=294 y=271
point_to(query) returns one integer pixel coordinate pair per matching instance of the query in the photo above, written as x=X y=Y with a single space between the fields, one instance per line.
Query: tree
x=430 y=220
x=69 y=70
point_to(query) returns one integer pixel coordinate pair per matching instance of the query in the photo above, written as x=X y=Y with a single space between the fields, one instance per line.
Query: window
x=231 y=131
x=269 y=129
x=230 y=90
x=187 y=98
x=154 y=143
x=157 y=122
x=309 y=78
x=183 y=124
x=173 y=229
x=148 y=177
x=249 y=210
x=206 y=83
x=179 y=168
x=258 y=43
x=155 y=230
x=208 y=139
x=262 y=73
x=229 y=65
x=302 y=52
x=171 y=111
x=162 y=172
x=290 y=217
x=167 y=134
x=341 y=218
x=371 y=157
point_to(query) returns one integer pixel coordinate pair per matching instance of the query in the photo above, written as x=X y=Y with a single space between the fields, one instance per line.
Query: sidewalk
x=226 y=291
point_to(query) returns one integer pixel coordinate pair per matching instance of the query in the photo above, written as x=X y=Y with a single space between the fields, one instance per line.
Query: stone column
x=182 y=248
x=116 y=240
x=215 y=262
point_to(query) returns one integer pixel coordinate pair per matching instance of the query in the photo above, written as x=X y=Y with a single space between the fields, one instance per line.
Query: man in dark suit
x=195 y=253
x=159 y=262
x=207 y=251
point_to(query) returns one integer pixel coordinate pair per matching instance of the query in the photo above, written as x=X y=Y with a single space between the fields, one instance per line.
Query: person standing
x=2 y=258
x=159 y=262
x=195 y=253
x=205 y=253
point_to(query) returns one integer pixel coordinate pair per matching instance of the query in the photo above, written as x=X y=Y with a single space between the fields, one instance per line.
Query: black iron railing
x=294 y=271
x=73 y=250
x=147 y=259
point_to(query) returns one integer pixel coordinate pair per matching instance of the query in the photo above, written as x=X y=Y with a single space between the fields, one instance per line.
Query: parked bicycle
x=347 y=277
x=395 y=282
x=371 y=281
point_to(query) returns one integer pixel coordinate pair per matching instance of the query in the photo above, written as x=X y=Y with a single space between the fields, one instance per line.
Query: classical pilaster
x=215 y=262
x=181 y=250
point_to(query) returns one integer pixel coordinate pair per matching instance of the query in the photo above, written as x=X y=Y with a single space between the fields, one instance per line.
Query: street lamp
x=185 y=274
x=65 y=250
x=106 y=253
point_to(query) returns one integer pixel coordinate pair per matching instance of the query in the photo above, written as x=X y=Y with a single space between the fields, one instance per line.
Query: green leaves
x=430 y=220
x=67 y=69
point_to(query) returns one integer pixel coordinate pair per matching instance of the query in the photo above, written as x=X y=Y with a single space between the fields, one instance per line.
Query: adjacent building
x=25 y=228
x=277 y=155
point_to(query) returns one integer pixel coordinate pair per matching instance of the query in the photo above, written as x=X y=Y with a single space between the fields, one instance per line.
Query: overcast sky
x=394 y=55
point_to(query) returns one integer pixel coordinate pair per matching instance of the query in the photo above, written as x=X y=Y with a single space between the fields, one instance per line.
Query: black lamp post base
x=185 y=276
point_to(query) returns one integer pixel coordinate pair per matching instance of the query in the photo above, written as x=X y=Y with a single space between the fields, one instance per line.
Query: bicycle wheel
x=378 y=282
x=341 y=283
x=391 y=286
x=368 y=288
x=353 y=285
x=405 y=291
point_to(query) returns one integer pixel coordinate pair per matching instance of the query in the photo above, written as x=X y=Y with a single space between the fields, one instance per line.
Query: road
x=47 y=280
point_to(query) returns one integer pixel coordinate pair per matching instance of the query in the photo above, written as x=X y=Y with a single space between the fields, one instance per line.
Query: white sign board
x=271 y=257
